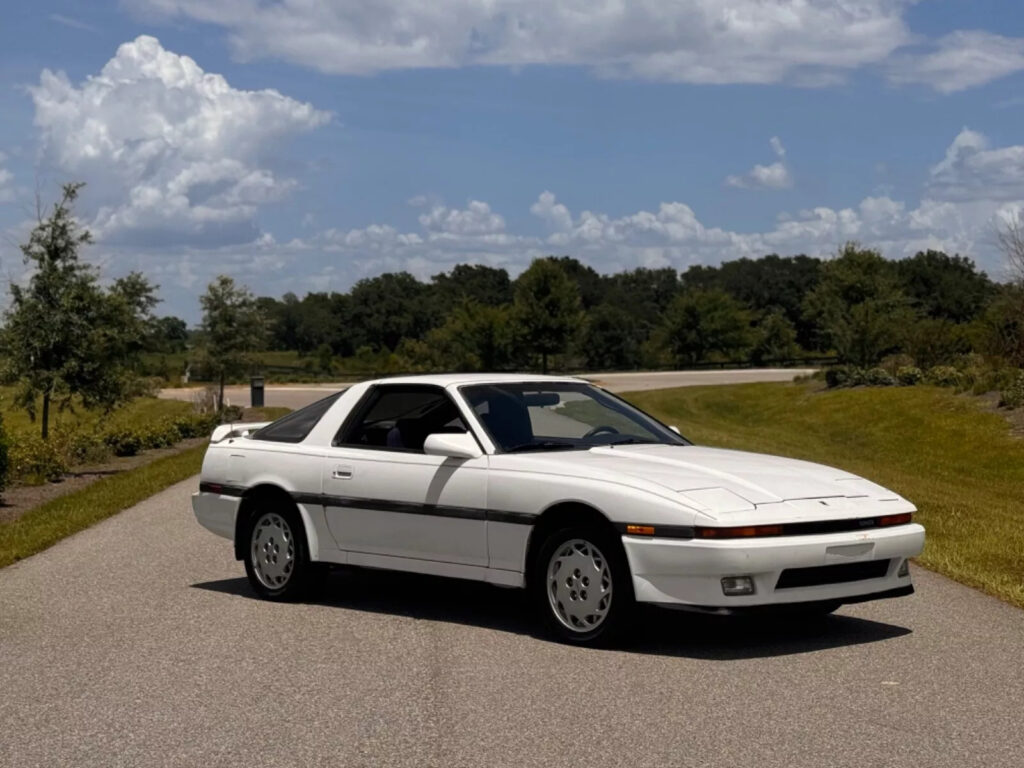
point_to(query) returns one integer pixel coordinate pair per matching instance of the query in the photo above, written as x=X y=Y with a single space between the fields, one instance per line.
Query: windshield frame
x=666 y=435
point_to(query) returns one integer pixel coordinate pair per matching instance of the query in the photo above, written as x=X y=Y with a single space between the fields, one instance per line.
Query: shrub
x=5 y=462
x=893 y=363
x=78 y=447
x=36 y=461
x=124 y=441
x=230 y=414
x=943 y=376
x=844 y=376
x=879 y=377
x=908 y=375
x=1013 y=395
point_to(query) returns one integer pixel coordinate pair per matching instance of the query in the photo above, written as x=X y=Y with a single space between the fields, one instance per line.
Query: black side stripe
x=414 y=508
x=387 y=505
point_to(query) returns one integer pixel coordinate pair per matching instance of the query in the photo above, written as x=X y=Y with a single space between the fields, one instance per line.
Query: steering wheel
x=602 y=428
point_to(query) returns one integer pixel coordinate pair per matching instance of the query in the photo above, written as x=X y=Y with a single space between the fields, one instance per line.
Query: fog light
x=738 y=585
x=904 y=569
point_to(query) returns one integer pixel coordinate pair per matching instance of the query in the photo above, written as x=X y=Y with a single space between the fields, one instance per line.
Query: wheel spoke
x=272 y=551
x=579 y=585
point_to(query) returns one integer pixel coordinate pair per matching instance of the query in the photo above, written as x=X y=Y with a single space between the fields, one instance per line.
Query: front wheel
x=277 y=560
x=582 y=586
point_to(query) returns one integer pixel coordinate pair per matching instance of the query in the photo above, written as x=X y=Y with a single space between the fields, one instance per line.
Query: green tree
x=168 y=334
x=702 y=323
x=611 y=338
x=765 y=284
x=233 y=329
x=384 y=310
x=944 y=287
x=775 y=339
x=66 y=337
x=546 y=310
x=479 y=283
x=858 y=305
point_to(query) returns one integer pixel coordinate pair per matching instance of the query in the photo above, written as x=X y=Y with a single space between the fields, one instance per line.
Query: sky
x=302 y=145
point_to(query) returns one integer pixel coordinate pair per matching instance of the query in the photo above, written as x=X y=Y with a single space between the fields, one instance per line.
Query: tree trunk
x=46 y=415
x=220 y=395
x=544 y=362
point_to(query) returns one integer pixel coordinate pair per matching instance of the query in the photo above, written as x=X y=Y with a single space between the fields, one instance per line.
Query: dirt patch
x=21 y=498
x=990 y=402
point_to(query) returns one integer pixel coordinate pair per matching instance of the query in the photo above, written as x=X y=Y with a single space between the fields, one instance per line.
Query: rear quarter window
x=296 y=426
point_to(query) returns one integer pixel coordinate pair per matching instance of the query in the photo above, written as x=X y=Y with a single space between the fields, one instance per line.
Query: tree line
x=857 y=307
x=66 y=338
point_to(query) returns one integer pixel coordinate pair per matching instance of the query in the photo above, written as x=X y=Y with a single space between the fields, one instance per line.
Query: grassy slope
x=959 y=464
x=142 y=410
x=45 y=525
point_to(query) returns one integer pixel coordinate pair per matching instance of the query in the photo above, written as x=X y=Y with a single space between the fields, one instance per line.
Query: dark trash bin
x=256 y=391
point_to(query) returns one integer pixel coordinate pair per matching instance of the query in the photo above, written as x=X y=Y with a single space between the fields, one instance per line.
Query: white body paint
x=440 y=511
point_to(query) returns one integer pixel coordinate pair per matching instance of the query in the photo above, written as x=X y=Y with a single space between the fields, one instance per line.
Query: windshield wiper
x=629 y=441
x=543 y=445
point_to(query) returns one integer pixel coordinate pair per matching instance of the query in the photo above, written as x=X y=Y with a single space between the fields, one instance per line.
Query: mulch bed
x=21 y=498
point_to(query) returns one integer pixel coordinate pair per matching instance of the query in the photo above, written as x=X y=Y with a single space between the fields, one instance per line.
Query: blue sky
x=301 y=145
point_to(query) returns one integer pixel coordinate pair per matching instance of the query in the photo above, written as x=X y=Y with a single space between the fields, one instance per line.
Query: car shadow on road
x=657 y=631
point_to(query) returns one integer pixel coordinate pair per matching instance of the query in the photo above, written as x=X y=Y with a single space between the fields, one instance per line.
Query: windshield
x=561 y=416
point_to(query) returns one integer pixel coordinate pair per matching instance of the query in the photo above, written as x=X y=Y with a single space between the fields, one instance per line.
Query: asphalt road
x=298 y=395
x=138 y=643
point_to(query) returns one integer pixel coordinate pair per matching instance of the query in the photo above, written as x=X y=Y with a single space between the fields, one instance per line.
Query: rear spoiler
x=227 y=431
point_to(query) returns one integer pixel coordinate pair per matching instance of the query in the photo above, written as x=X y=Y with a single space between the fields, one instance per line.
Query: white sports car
x=551 y=484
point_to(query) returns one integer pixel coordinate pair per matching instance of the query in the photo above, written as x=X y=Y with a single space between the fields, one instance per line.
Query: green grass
x=142 y=410
x=47 y=524
x=959 y=464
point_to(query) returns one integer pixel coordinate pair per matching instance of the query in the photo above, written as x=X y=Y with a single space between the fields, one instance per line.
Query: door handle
x=342 y=473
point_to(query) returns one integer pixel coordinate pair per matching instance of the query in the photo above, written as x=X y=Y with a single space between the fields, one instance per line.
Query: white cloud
x=475 y=219
x=774 y=176
x=971 y=170
x=6 y=179
x=554 y=214
x=172 y=154
x=957 y=213
x=697 y=41
x=960 y=60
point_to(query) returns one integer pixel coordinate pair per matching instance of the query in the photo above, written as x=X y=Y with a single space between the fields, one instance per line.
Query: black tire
x=604 y=546
x=277 y=560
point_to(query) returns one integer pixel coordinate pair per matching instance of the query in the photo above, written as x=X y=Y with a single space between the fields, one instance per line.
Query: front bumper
x=689 y=572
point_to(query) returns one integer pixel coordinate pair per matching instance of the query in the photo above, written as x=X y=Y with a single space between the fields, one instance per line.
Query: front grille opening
x=832 y=574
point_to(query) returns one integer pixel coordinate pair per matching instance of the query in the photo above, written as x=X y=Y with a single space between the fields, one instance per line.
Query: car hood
x=717 y=479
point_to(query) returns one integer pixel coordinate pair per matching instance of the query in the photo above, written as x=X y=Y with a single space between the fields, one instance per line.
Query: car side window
x=296 y=426
x=399 y=418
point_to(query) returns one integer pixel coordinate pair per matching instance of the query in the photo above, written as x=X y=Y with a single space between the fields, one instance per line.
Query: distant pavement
x=298 y=395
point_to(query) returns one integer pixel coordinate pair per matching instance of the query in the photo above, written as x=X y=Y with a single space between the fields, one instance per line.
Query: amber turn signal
x=640 y=530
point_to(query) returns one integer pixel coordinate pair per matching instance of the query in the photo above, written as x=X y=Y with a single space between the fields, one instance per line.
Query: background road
x=138 y=642
x=298 y=395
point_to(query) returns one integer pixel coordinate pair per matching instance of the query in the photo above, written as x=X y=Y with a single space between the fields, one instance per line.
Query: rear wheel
x=582 y=586
x=277 y=560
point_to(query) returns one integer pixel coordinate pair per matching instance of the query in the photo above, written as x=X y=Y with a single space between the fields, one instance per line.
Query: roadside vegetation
x=45 y=525
x=958 y=461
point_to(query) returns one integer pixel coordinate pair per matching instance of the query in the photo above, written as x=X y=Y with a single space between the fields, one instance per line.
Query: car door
x=384 y=497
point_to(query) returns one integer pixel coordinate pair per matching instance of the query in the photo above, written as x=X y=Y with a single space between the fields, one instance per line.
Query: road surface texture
x=138 y=643
x=298 y=395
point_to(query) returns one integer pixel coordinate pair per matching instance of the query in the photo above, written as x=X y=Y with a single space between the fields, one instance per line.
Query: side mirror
x=454 y=446
x=676 y=430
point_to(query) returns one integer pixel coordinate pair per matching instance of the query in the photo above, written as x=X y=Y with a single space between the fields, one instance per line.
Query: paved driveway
x=298 y=395
x=138 y=643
